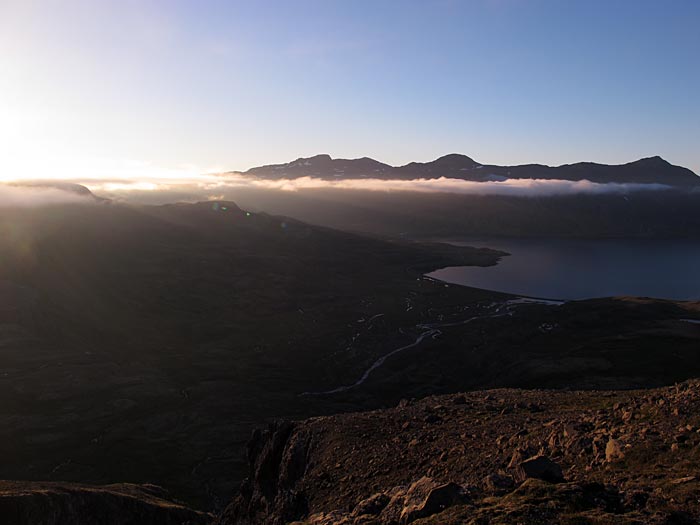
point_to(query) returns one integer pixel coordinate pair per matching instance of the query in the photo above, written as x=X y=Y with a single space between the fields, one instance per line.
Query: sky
x=146 y=89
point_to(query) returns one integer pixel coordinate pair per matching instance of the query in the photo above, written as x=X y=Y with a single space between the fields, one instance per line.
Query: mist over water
x=582 y=269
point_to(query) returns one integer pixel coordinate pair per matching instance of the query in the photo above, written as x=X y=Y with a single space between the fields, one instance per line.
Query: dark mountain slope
x=143 y=344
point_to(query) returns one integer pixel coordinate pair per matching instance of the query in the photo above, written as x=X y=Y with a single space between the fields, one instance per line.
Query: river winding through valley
x=432 y=330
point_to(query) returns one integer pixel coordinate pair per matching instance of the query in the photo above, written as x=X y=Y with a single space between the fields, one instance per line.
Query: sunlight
x=27 y=153
x=22 y=158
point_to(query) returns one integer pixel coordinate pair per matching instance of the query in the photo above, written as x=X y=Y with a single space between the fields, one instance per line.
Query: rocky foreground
x=490 y=457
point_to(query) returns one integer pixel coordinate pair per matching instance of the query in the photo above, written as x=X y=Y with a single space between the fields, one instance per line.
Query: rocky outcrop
x=44 y=503
x=502 y=456
x=278 y=459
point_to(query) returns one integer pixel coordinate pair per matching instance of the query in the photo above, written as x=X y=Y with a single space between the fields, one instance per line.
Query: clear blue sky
x=203 y=85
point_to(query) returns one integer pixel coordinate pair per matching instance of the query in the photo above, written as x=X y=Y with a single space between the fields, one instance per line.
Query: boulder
x=426 y=497
x=539 y=467
x=372 y=505
x=498 y=482
x=614 y=450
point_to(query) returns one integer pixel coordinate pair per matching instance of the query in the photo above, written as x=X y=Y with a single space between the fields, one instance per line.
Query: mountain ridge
x=647 y=170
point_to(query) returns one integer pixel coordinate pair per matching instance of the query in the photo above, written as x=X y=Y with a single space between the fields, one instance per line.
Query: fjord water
x=582 y=269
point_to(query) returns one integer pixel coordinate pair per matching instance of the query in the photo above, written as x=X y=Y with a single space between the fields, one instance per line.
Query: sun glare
x=24 y=158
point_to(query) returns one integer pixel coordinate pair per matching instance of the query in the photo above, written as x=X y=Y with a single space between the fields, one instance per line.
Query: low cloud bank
x=212 y=187
x=513 y=187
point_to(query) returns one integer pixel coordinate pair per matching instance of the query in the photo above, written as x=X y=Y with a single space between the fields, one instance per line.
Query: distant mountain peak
x=655 y=160
x=324 y=157
x=455 y=157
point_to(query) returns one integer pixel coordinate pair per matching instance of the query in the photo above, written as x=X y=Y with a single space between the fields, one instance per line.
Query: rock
x=614 y=450
x=636 y=499
x=539 y=467
x=570 y=431
x=372 y=505
x=498 y=482
x=432 y=418
x=686 y=479
x=459 y=400
x=425 y=497
x=323 y=518
x=516 y=458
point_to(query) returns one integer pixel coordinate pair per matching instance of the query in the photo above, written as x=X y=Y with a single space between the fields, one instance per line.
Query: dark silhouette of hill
x=69 y=187
x=55 y=503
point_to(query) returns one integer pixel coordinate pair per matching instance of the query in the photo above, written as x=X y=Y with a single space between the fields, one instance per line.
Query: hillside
x=143 y=344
